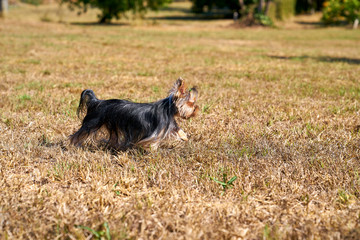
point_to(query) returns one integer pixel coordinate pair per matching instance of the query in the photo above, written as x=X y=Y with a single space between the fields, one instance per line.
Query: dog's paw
x=182 y=135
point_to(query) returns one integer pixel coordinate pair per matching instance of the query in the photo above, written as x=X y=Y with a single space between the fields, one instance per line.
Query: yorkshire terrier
x=131 y=124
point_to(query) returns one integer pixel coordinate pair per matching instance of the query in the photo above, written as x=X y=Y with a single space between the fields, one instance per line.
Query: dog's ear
x=193 y=93
x=179 y=87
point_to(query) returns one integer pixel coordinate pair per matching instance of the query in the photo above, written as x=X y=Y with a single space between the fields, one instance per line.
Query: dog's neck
x=171 y=99
x=172 y=107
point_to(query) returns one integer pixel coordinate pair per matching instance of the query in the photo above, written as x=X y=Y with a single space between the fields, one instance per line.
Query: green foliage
x=263 y=19
x=351 y=10
x=115 y=8
x=332 y=12
x=24 y=97
x=103 y=234
x=343 y=197
x=33 y=2
x=341 y=11
x=282 y=10
x=248 y=11
x=226 y=184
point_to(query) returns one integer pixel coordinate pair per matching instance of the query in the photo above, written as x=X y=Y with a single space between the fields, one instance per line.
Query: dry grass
x=280 y=110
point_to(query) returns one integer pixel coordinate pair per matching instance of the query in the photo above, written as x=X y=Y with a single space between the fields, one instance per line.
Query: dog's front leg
x=181 y=134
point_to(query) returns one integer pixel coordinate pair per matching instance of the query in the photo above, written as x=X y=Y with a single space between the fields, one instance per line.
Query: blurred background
x=244 y=13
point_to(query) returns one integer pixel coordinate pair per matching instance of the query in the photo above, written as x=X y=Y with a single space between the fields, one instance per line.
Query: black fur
x=127 y=123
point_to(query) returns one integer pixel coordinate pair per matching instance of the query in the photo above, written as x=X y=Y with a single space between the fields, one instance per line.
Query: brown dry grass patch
x=280 y=110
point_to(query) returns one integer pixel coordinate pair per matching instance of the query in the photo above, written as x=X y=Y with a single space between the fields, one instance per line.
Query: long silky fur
x=127 y=123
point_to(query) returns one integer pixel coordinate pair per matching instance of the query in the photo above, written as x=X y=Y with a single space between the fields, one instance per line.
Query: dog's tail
x=87 y=101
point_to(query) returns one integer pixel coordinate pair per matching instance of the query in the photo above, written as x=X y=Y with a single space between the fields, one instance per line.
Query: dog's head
x=184 y=99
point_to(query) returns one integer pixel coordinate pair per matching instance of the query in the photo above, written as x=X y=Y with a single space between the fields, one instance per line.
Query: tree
x=251 y=11
x=308 y=6
x=233 y=5
x=3 y=7
x=115 y=8
x=341 y=11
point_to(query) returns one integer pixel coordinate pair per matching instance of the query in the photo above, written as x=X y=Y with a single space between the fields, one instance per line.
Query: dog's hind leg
x=114 y=139
x=90 y=125
x=79 y=137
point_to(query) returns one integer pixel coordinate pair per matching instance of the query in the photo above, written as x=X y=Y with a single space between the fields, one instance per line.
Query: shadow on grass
x=58 y=144
x=111 y=24
x=197 y=17
x=191 y=18
x=314 y=24
x=177 y=9
x=320 y=59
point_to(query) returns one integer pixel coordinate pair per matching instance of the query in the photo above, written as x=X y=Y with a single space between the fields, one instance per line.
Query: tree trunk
x=242 y=5
x=311 y=5
x=356 y=23
x=103 y=20
x=105 y=17
x=242 y=8
x=267 y=5
x=260 y=7
x=3 y=7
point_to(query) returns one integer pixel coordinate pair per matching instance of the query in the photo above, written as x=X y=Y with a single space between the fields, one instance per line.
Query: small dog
x=130 y=124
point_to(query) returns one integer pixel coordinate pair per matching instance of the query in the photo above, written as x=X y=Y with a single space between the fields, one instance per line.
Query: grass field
x=279 y=110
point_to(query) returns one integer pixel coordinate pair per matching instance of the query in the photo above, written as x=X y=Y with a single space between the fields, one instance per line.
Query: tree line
x=261 y=12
